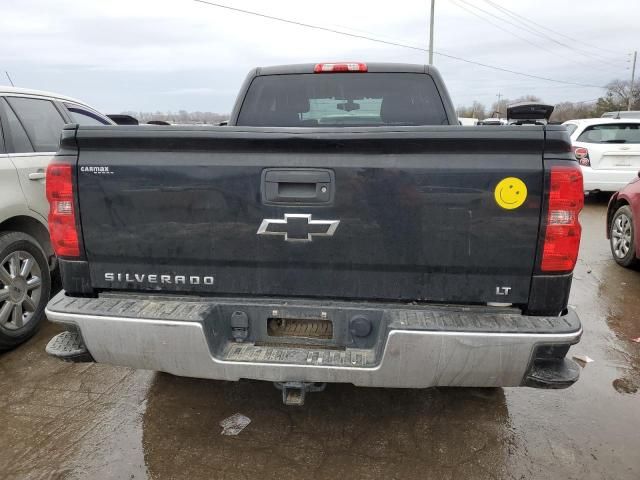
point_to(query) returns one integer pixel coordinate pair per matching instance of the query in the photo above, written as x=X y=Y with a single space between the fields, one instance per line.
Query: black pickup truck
x=342 y=228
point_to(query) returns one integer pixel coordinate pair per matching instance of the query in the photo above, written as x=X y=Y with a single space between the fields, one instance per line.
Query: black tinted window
x=41 y=120
x=84 y=117
x=571 y=127
x=16 y=140
x=611 y=133
x=353 y=99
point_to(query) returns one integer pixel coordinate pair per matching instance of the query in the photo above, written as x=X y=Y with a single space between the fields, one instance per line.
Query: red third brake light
x=563 y=230
x=62 y=219
x=340 y=67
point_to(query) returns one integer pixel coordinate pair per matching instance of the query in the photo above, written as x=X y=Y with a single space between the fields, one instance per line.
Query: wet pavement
x=76 y=421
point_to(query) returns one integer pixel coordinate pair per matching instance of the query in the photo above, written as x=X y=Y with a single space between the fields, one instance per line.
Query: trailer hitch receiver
x=293 y=393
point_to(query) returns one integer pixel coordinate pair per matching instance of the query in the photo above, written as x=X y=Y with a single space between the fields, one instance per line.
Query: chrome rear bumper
x=415 y=347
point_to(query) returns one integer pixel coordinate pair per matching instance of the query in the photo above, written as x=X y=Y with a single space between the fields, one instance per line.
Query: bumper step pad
x=553 y=374
x=68 y=346
x=400 y=316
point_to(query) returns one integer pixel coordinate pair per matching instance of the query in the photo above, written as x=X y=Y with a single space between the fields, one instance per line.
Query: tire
x=622 y=238
x=25 y=286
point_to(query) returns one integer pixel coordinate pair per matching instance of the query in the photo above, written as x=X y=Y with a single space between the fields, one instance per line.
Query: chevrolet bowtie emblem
x=298 y=227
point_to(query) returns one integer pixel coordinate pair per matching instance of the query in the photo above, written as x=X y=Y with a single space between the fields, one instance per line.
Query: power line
x=555 y=32
x=527 y=28
x=539 y=33
x=395 y=44
x=524 y=20
x=461 y=6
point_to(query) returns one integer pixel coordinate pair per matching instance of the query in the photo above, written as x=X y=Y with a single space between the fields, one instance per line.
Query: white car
x=608 y=151
x=622 y=114
x=30 y=127
x=493 y=121
x=468 y=121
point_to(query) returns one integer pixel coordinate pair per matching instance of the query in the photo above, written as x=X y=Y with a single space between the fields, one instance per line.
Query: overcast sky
x=157 y=55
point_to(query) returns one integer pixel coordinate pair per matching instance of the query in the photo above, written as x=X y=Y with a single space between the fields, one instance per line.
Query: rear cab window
x=611 y=133
x=40 y=119
x=342 y=99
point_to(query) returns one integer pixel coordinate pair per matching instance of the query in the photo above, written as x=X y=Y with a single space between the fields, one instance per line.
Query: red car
x=623 y=224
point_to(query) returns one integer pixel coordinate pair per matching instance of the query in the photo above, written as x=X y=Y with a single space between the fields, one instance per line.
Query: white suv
x=30 y=126
x=608 y=151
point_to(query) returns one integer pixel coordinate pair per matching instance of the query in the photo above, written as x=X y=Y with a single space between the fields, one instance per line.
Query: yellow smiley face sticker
x=510 y=193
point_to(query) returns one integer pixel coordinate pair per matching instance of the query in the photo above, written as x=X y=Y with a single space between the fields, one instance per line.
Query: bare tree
x=476 y=110
x=564 y=111
x=617 y=98
x=527 y=98
x=499 y=108
x=182 y=116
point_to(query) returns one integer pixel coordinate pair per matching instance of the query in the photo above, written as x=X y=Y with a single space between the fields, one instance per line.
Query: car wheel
x=622 y=238
x=25 y=284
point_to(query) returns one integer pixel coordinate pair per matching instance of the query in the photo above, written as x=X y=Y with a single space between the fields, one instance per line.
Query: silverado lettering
x=158 y=278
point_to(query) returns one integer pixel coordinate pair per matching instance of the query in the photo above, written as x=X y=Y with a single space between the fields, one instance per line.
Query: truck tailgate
x=388 y=213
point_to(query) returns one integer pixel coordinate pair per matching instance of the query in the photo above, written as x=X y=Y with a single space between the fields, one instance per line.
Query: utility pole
x=499 y=95
x=633 y=77
x=433 y=8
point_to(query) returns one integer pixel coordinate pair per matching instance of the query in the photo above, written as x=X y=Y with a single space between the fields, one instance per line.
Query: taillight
x=62 y=219
x=563 y=230
x=582 y=155
x=340 y=67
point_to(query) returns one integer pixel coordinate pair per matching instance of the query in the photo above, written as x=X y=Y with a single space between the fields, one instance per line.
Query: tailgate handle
x=299 y=186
